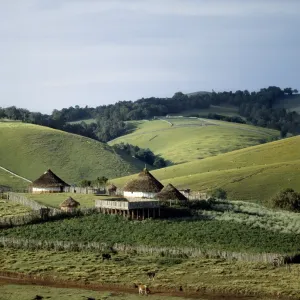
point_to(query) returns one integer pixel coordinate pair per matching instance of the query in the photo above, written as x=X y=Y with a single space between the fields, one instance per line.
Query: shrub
x=287 y=199
x=219 y=193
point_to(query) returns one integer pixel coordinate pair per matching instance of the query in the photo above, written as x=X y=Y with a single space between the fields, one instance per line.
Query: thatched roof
x=70 y=202
x=144 y=182
x=169 y=192
x=48 y=179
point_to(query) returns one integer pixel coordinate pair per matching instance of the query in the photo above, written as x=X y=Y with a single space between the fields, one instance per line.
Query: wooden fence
x=84 y=190
x=24 y=201
x=183 y=252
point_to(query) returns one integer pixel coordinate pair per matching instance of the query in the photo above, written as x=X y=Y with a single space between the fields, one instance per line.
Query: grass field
x=29 y=292
x=7 y=180
x=255 y=173
x=8 y=209
x=194 y=275
x=29 y=150
x=55 y=199
x=183 y=139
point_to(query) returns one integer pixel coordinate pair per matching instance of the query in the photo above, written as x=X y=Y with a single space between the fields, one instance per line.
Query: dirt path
x=14 y=174
x=22 y=279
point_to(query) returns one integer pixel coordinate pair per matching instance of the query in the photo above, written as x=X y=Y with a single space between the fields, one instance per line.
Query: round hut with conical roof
x=144 y=186
x=48 y=183
x=169 y=192
x=69 y=205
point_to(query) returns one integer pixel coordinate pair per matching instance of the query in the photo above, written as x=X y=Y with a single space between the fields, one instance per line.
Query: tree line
x=258 y=108
x=145 y=155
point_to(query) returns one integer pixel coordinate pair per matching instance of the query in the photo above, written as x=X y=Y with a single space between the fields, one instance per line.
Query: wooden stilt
x=154 y=213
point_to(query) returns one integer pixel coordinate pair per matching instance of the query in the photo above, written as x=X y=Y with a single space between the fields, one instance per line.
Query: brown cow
x=143 y=289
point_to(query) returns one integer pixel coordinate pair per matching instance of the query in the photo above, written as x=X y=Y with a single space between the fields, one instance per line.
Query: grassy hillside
x=8 y=180
x=291 y=103
x=28 y=150
x=254 y=173
x=186 y=139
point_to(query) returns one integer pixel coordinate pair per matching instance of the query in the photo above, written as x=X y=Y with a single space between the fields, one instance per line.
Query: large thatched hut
x=69 y=205
x=48 y=183
x=169 y=192
x=144 y=186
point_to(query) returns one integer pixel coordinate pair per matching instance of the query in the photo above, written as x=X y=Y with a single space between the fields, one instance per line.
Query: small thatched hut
x=111 y=189
x=169 y=192
x=144 y=186
x=69 y=205
x=48 y=183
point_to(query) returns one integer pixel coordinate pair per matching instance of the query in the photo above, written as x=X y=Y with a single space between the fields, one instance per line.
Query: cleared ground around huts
x=181 y=140
x=55 y=199
x=255 y=173
x=29 y=150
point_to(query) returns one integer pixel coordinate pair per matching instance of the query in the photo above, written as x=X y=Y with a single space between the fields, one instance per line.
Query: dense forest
x=256 y=107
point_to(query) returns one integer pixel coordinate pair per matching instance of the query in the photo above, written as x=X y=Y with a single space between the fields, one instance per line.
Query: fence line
x=84 y=190
x=183 y=252
x=24 y=201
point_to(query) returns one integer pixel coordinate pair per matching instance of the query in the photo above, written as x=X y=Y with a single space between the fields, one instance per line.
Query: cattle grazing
x=38 y=297
x=151 y=275
x=106 y=256
x=143 y=289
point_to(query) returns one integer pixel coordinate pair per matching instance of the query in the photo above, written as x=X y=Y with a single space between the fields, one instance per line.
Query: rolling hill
x=180 y=140
x=254 y=173
x=28 y=150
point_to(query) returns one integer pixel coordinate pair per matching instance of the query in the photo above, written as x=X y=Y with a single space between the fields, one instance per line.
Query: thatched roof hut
x=69 y=204
x=145 y=185
x=48 y=182
x=169 y=192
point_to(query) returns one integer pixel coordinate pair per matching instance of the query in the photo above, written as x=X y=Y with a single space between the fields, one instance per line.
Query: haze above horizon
x=61 y=53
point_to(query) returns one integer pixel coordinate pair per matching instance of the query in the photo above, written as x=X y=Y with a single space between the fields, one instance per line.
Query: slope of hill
x=290 y=103
x=7 y=180
x=185 y=139
x=29 y=150
x=254 y=173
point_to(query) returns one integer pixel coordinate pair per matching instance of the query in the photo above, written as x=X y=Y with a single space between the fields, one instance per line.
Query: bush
x=219 y=193
x=287 y=199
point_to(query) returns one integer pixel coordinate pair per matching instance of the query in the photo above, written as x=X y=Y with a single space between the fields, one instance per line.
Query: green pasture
x=180 y=140
x=8 y=180
x=55 y=199
x=8 y=209
x=29 y=150
x=28 y=292
x=255 y=173
x=195 y=276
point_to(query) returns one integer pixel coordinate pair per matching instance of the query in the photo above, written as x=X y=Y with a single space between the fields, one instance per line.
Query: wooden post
x=153 y=213
x=159 y=211
x=143 y=214
x=132 y=214
x=148 y=214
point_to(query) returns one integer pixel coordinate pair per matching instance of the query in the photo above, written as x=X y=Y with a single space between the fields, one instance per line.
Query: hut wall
x=37 y=190
x=68 y=209
x=139 y=195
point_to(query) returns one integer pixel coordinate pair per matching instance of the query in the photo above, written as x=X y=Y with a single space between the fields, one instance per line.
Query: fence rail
x=24 y=201
x=139 y=249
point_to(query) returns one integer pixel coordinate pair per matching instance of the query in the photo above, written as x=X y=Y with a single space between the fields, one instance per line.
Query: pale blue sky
x=59 y=53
